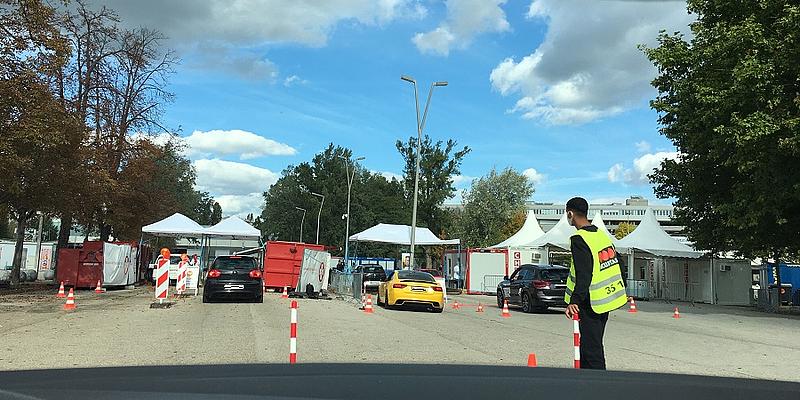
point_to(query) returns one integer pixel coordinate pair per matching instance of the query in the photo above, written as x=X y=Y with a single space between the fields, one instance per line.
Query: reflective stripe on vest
x=607 y=290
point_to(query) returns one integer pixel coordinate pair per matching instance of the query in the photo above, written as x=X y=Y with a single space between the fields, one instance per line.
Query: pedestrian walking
x=594 y=286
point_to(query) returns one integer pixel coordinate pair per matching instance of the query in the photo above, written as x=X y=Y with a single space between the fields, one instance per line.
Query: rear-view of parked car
x=534 y=287
x=373 y=276
x=234 y=277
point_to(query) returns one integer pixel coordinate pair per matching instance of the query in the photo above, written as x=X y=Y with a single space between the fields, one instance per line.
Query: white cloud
x=258 y=22
x=465 y=20
x=588 y=66
x=534 y=176
x=459 y=180
x=220 y=177
x=643 y=146
x=642 y=166
x=389 y=175
x=241 y=205
x=294 y=80
x=246 y=144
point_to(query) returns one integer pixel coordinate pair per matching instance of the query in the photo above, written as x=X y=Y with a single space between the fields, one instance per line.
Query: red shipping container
x=82 y=267
x=282 y=263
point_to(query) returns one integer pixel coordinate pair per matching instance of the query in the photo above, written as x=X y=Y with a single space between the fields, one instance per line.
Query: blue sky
x=553 y=88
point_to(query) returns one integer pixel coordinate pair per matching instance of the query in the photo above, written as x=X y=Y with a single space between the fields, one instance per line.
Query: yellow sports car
x=413 y=288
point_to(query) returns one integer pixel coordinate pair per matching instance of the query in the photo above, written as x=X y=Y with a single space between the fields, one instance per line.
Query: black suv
x=534 y=287
x=234 y=277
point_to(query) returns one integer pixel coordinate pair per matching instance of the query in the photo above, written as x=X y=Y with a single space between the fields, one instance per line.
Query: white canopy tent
x=557 y=236
x=175 y=225
x=529 y=232
x=601 y=225
x=234 y=228
x=400 y=234
x=651 y=238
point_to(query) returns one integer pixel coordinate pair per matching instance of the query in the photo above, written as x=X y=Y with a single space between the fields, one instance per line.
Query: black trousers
x=592 y=326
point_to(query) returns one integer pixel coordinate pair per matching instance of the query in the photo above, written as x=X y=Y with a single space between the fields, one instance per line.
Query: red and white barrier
x=293 y=335
x=180 y=286
x=162 y=279
x=576 y=339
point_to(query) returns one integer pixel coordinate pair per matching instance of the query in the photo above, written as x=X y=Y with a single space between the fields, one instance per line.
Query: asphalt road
x=118 y=328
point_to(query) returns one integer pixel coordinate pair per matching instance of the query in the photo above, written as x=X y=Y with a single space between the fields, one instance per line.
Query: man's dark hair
x=578 y=205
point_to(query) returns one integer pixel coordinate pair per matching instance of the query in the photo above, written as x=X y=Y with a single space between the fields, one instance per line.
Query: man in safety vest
x=594 y=286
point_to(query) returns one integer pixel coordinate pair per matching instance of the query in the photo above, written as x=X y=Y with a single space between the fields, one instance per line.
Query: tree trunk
x=63 y=238
x=22 y=217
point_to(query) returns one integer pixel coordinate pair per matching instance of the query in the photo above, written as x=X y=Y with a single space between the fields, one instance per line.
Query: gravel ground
x=118 y=328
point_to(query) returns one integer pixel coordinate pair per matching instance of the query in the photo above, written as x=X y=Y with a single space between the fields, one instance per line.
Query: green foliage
x=624 y=229
x=437 y=165
x=494 y=207
x=374 y=200
x=729 y=100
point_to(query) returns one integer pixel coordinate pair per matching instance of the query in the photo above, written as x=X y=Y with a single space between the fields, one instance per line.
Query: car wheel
x=379 y=300
x=259 y=299
x=499 y=299
x=437 y=310
x=527 y=305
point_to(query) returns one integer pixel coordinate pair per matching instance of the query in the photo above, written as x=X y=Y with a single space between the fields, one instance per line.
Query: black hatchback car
x=534 y=287
x=234 y=277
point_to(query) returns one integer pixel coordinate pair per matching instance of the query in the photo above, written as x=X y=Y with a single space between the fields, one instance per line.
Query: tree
x=437 y=165
x=514 y=224
x=491 y=205
x=728 y=99
x=374 y=199
x=38 y=137
x=624 y=229
x=206 y=210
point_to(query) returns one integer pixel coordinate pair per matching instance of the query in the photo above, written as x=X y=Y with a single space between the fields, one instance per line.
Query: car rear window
x=373 y=269
x=415 y=276
x=555 y=274
x=234 y=263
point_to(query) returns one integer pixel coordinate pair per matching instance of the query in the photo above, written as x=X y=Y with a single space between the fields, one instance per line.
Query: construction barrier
x=576 y=339
x=162 y=276
x=293 y=334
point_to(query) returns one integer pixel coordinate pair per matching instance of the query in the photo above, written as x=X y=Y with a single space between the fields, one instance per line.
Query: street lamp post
x=302 y=222
x=420 y=127
x=322 y=201
x=347 y=226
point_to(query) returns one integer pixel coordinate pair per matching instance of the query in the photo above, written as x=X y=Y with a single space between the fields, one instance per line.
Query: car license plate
x=234 y=287
x=418 y=289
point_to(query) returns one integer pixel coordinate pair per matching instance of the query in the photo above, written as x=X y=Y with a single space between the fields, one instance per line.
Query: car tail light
x=214 y=273
x=255 y=274
x=541 y=284
x=437 y=288
x=399 y=285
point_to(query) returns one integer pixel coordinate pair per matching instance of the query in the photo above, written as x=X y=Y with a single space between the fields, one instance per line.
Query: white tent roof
x=529 y=232
x=601 y=225
x=233 y=227
x=557 y=236
x=400 y=234
x=175 y=225
x=651 y=238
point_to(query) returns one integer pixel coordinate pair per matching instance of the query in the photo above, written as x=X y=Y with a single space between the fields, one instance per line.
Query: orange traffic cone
x=368 y=306
x=480 y=308
x=98 y=289
x=676 y=314
x=632 y=310
x=70 y=304
x=505 y=313
x=532 y=360
x=285 y=294
x=61 y=293
x=456 y=306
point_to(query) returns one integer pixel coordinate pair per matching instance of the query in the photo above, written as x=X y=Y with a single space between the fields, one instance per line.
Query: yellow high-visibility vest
x=607 y=290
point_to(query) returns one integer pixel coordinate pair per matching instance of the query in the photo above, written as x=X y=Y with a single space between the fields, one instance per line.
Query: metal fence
x=345 y=284
x=490 y=283
x=669 y=291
